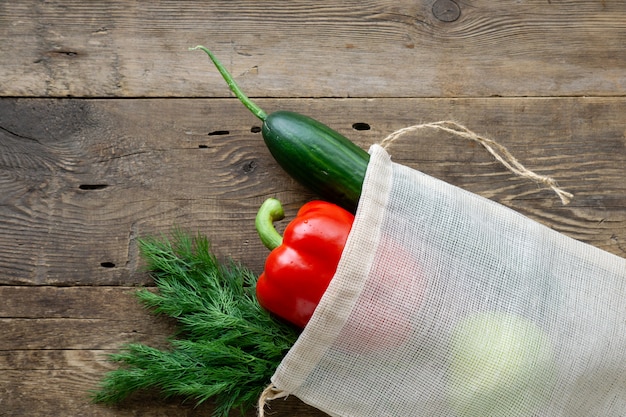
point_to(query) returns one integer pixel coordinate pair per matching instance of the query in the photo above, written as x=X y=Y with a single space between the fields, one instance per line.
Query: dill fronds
x=227 y=346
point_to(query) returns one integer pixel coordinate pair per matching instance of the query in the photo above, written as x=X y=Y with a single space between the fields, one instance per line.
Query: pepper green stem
x=250 y=105
x=270 y=211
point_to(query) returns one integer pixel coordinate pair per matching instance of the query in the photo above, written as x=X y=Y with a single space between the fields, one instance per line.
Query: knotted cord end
x=269 y=393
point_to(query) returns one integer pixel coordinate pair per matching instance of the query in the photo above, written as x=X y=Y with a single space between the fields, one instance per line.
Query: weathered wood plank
x=54 y=345
x=34 y=382
x=80 y=180
x=38 y=393
x=76 y=318
x=391 y=48
x=41 y=393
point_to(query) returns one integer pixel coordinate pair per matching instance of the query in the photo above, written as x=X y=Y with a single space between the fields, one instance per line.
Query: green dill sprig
x=227 y=346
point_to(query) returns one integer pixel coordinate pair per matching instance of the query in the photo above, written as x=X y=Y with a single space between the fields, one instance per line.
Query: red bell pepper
x=303 y=261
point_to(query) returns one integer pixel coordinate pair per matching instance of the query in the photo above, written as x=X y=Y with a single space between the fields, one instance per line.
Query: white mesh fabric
x=448 y=304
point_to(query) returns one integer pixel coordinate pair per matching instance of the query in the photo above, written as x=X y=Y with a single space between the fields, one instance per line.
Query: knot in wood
x=446 y=10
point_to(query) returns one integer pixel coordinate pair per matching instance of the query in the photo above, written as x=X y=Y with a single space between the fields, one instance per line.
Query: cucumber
x=315 y=155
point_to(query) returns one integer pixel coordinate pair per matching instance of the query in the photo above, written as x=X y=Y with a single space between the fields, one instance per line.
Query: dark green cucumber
x=315 y=155
x=318 y=157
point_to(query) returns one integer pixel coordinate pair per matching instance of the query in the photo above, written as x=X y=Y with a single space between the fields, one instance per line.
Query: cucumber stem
x=270 y=211
x=250 y=105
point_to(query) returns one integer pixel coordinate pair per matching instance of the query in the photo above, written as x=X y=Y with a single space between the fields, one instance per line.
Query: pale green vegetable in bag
x=501 y=365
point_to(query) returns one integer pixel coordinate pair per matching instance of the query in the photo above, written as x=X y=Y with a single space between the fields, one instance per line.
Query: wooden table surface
x=110 y=130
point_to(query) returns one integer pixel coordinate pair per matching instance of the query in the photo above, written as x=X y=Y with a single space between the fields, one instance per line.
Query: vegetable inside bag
x=447 y=304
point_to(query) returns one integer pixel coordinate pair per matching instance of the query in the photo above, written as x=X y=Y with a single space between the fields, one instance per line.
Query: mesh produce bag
x=447 y=304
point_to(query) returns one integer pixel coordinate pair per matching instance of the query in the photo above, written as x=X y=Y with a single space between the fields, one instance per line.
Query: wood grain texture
x=81 y=180
x=390 y=48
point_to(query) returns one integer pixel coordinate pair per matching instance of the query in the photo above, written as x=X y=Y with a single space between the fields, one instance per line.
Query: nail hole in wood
x=361 y=126
x=93 y=186
x=202 y=146
x=107 y=264
x=65 y=53
x=255 y=129
x=219 y=133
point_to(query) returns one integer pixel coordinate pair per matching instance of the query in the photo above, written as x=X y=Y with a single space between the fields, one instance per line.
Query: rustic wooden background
x=110 y=129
